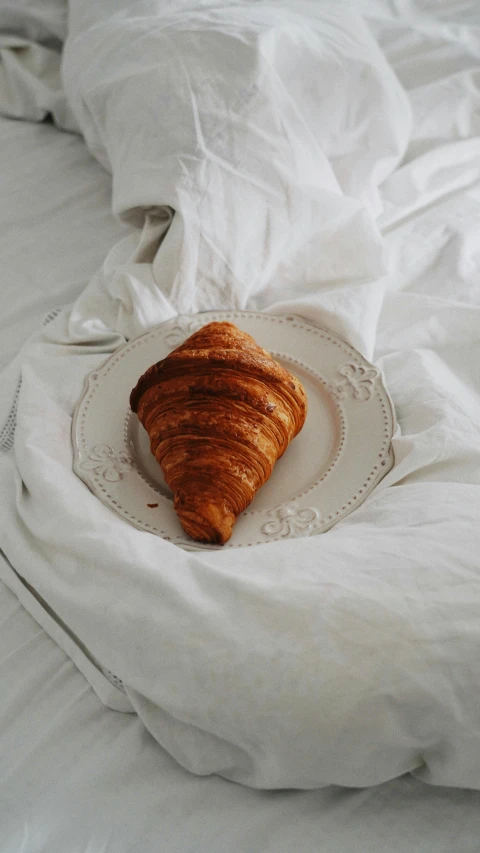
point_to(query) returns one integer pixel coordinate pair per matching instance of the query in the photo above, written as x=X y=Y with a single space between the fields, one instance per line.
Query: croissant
x=219 y=412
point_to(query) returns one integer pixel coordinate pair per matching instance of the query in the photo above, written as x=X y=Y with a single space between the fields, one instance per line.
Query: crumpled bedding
x=264 y=152
x=31 y=39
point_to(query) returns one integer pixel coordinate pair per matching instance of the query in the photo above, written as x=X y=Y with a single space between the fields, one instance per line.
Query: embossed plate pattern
x=341 y=454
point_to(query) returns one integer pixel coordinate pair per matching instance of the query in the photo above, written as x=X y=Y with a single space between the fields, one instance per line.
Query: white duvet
x=263 y=149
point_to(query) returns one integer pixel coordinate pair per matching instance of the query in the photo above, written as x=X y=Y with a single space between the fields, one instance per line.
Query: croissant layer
x=219 y=412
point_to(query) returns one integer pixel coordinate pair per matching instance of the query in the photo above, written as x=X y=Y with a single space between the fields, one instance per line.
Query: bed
x=81 y=769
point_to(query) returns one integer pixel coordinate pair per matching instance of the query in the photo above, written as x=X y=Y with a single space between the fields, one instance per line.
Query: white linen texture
x=262 y=150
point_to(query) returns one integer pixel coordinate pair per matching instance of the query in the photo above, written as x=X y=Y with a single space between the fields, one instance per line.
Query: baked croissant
x=219 y=411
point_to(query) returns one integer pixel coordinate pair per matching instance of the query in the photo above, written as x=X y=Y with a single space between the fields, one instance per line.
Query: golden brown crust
x=219 y=411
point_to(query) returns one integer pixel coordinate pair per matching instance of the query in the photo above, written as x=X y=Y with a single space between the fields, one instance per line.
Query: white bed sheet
x=55 y=225
x=214 y=650
x=75 y=775
x=80 y=778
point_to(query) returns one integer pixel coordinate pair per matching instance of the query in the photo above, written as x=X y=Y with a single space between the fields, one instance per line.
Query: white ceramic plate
x=341 y=454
